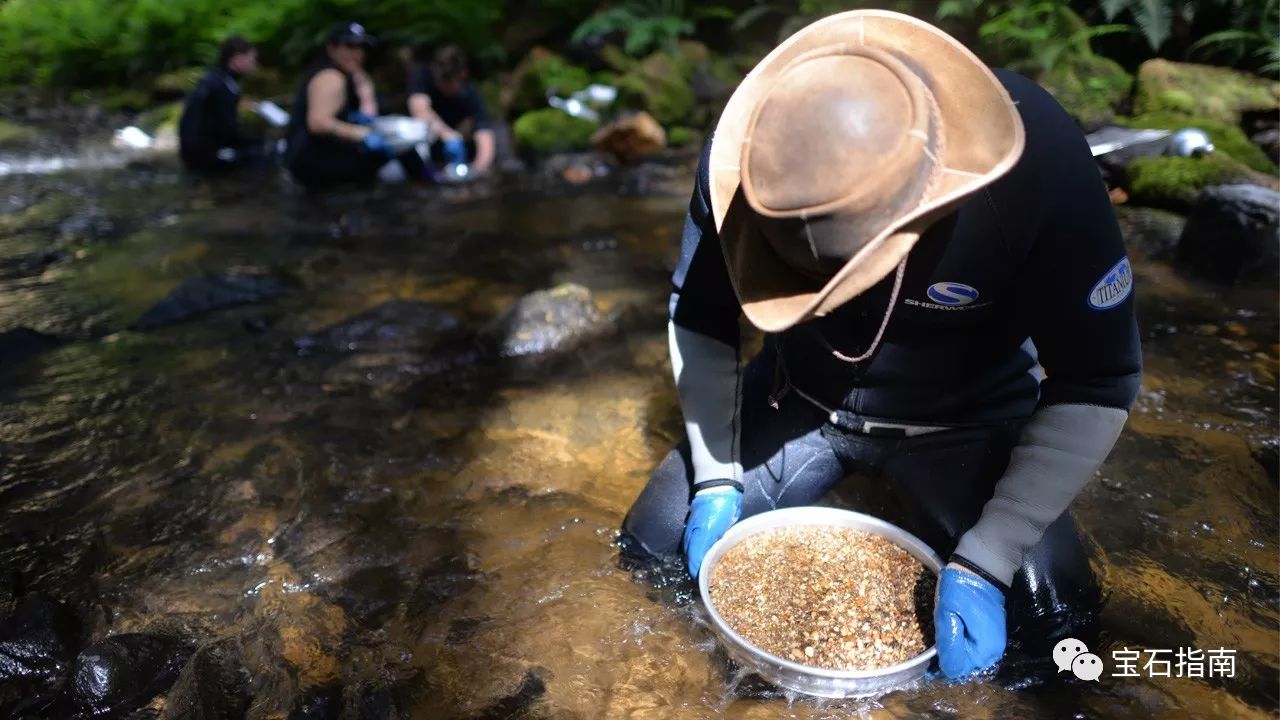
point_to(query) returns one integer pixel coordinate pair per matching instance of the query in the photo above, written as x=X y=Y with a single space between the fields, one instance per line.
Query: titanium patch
x=1113 y=288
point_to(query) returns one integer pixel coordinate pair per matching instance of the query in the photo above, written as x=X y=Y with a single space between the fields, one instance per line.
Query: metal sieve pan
x=792 y=675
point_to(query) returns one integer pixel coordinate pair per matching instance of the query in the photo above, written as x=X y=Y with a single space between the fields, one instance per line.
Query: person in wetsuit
x=209 y=131
x=330 y=138
x=443 y=95
x=932 y=254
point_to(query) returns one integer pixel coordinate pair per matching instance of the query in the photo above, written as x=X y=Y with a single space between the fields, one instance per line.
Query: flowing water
x=408 y=528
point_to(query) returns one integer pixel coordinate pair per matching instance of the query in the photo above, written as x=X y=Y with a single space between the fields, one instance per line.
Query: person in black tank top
x=330 y=140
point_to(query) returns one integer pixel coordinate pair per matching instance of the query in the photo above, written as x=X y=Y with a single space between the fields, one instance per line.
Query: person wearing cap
x=442 y=95
x=209 y=138
x=330 y=138
x=930 y=251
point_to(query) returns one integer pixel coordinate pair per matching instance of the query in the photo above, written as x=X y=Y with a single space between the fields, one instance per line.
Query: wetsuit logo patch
x=952 y=293
x=1113 y=288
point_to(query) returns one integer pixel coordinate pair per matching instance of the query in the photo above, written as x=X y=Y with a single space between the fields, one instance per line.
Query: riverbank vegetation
x=1138 y=62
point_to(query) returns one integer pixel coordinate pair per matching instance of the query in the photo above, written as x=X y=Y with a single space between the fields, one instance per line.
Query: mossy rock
x=546 y=131
x=682 y=136
x=1228 y=139
x=1091 y=88
x=541 y=72
x=161 y=118
x=1174 y=182
x=13 y=134
x=1216 y=93
x=176 y=83
x=657 y=86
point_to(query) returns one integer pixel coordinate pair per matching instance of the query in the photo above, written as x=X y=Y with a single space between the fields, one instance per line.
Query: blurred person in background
x=331 y=138
x=209 y=132
x=443 y=95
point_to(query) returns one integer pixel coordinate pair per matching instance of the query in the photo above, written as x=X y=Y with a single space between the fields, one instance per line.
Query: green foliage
x=1031 y=37
x=111 y=42
x=550 y=131
x=1227 y=139
x=648 y=25
x=15 y=134
x=1175 y=181
x=1238 y=44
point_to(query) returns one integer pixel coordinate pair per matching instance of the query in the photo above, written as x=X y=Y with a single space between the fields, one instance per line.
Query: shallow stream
x=402 y=526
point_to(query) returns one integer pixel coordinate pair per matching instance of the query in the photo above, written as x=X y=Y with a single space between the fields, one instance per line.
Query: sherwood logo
x=949 y=296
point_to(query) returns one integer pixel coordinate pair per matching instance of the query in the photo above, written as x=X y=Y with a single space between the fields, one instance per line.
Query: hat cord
x=888 y=312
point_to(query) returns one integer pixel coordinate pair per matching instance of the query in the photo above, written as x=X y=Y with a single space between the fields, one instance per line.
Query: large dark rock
x=548 y=321
x=202 y=293
x=213 y=686
x=1233 y=232
x=391 y=326
x=38 y=640
x=20 y=343
x=122 y=673
x=1150 y=231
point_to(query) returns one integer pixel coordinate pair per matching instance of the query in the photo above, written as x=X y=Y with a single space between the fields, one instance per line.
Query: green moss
x=1175 y=181
x=543 y=71
x=549 y=131
x=657 y=85
x=1227 y=139
x=1216 y=93
x=1090 y=87
x=160 y=118
x=14 y=134
x=681 y=136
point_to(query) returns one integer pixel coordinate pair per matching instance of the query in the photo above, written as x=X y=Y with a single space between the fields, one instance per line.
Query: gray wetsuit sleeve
x=704 y=342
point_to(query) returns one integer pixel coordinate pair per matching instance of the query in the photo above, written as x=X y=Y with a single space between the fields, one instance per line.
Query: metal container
x=793 y=675
x=402 y=132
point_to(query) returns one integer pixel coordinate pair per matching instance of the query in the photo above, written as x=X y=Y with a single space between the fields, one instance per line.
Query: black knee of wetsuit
x=792 y=456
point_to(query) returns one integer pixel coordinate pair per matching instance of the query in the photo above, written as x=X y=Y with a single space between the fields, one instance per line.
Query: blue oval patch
x=952 y=293
x=1113 y=288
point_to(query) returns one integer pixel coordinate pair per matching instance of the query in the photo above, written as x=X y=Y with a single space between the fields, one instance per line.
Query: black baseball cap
x=349 y=33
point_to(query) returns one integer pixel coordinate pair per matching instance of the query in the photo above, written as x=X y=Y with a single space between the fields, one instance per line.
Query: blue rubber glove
x=455 y=151
x=375 y=143
x=356 y=117
x=970 y=623
x=712 y=513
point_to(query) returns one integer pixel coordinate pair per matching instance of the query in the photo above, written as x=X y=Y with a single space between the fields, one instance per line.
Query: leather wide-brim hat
x=840 y=148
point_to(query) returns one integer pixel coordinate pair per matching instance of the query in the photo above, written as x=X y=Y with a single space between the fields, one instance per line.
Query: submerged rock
x=122 y=673
x=389 y=327
x=20 y=343
x=37 y=644
x=1151 y=231
x=202 y=293
x=1233 y=232
x=213 y=686
x=548 y=321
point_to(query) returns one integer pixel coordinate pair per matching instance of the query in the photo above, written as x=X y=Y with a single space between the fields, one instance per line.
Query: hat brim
x=973 y=108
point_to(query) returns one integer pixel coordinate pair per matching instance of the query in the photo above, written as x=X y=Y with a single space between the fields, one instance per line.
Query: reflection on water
x=410 y=528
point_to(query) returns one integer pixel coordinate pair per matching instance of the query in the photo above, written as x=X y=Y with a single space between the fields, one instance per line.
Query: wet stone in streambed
x=827 y=597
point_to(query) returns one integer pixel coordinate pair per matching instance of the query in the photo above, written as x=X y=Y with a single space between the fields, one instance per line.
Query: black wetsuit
x=464 y=112
x=1027 y=277
x=323 y=160
x=209 y=133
